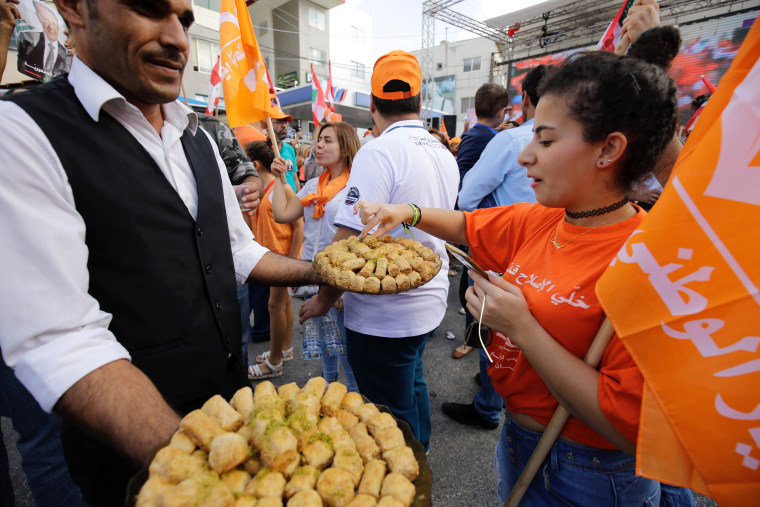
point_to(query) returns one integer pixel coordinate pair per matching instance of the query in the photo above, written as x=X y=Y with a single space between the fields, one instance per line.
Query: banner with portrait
x=41 y=40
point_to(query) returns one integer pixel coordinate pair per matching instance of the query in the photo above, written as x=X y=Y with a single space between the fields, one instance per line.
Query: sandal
x=287 y=355
x=255 y=373
x=461 y=351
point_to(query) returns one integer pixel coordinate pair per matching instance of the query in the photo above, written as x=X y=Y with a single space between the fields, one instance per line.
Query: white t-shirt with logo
x=405 y=164
x=319 y=232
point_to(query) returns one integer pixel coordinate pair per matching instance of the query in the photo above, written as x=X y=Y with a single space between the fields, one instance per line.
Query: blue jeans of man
x=259 y=300
x=487 y=402
x=331 y=364
x=245 y=319
x=388 y=371
x=39 y=445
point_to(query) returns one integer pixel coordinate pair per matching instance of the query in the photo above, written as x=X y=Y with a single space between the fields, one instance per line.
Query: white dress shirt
x=52 y=332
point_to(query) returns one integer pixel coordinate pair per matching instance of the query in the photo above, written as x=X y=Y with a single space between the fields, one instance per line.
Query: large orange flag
x=683 y=295
x=244 y=78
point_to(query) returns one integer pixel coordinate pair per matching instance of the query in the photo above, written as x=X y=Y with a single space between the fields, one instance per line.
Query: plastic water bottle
x=331 y=334
x=311 y=339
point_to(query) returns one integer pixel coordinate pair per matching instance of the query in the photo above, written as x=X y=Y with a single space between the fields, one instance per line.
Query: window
x=214 y=5
x=467 y=103
x=358 y=35
x=207 y=53
x=357 y=70
x=318 y=56
x=471 y=64
x=316 y=18
x=263 y=28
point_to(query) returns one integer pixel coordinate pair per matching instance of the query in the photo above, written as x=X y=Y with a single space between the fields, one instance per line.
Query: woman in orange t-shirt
x=284 y=239
x=601 y=124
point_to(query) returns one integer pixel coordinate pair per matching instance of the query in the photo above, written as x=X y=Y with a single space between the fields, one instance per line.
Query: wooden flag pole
x=273 y=140
x=560 y=417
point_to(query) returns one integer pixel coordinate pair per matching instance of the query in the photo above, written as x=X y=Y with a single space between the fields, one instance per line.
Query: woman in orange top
x=602 y=122
x=284 y=239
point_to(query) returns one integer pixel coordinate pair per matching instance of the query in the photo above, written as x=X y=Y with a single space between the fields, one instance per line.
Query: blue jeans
x=389 y=372
x=487 y=402
x=331 y=364
x=245 y=319
x=259 y=300
x=39 y=445
x=571 y=474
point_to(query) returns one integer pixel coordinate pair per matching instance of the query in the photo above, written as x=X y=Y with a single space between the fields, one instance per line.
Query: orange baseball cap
x=396 y=65
x=277 y=114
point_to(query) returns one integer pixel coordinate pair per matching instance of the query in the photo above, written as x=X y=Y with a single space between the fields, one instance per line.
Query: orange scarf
x=327 y=188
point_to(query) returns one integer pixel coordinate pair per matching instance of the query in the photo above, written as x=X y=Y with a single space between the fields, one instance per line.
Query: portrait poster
x=41 y=41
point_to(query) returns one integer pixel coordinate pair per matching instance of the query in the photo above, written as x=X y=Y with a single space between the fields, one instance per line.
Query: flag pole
x=560 y=417
x=273 y=140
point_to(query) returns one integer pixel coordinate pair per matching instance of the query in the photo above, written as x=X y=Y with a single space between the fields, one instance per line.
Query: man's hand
x=643 y=15
x=316 y=306
x=251 y=199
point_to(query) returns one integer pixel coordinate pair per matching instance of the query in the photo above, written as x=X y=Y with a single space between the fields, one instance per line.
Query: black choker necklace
x=598 y=211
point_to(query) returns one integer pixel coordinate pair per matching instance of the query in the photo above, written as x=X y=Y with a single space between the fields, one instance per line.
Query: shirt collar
x=403 y=123
x=94 y=92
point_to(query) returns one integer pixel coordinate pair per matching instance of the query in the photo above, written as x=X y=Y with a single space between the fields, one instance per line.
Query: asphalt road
x=461 y=458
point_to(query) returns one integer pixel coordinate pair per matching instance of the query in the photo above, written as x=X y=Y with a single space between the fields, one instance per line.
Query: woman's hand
x=387 y=216
x=506 y=309
x=279 y=167
x=339 y=304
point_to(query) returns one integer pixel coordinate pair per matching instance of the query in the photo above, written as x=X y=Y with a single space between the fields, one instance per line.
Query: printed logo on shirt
x=428 y=141
x=352 y=197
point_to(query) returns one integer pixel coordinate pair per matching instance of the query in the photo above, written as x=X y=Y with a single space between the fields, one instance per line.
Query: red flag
x=318 y=105
x=611 y=37
x=213 y=91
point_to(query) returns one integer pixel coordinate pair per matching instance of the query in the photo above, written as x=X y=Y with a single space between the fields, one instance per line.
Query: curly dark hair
x=607 y=93
x=657 y=45
x=260 y=151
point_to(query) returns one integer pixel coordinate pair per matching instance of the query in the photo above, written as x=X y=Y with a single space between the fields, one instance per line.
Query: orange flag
x=683 y=296
x=244 y=75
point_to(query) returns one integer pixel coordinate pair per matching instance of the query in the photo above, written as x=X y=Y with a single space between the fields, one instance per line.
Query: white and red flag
x=612 y=35
x=213 y=91
x=318 y=105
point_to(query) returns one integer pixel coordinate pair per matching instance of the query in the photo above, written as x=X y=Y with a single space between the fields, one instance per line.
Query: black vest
x=168 y=280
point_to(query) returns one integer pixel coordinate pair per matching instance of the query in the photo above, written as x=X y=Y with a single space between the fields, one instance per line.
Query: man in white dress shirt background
x=123 y=243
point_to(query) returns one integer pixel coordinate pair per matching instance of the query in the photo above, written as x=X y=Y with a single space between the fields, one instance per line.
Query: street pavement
x=461 y=457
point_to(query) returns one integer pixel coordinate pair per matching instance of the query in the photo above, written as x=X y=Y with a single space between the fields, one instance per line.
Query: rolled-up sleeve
x=52 y=332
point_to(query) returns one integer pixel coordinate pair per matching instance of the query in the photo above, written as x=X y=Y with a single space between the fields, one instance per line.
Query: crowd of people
x=130 y=271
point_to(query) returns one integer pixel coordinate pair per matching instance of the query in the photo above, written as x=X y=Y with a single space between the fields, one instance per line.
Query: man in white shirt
x=386 y=335
x=84 y=235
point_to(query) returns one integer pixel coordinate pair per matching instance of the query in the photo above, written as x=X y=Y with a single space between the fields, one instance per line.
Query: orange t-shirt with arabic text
x=558 y=285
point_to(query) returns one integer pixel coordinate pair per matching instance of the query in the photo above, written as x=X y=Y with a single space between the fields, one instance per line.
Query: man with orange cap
x=404 y=164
